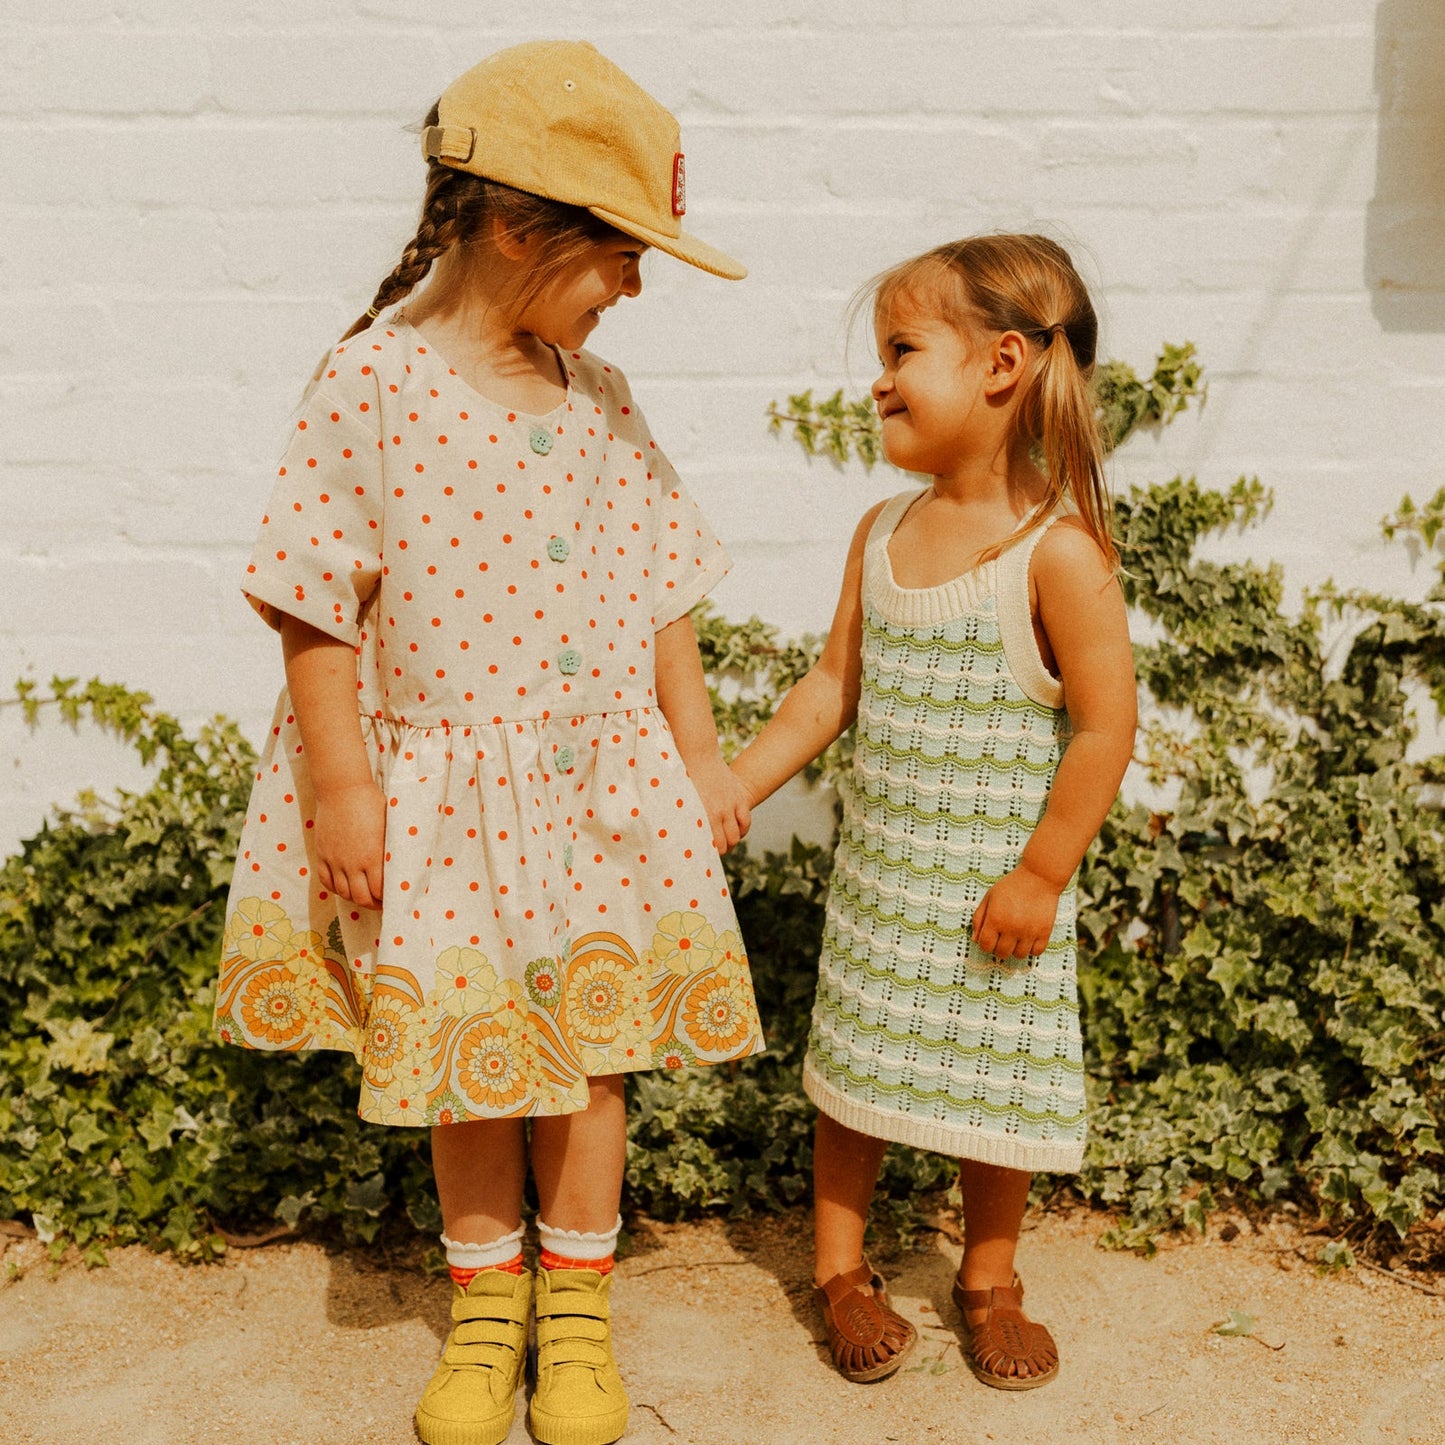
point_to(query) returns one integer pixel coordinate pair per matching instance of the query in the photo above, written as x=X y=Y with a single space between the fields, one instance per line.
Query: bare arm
x=682 y=697
x=1082 y=612
x=350 y=808
x=820 y=707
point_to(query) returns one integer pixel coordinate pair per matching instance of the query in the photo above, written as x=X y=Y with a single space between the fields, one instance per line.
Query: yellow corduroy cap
x=558 y=119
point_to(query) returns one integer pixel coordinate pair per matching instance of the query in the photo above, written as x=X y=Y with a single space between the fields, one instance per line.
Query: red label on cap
x=679 y=186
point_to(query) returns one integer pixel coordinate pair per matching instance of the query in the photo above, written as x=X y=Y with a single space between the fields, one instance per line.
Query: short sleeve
x=318 y=555
x=688 y=561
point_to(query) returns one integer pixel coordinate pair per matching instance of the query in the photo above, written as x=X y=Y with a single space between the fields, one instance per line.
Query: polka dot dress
x=552 y=907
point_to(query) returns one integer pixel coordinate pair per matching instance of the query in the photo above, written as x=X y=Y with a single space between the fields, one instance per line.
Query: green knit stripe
x=934 y=1096
x=860 y=853
x=954 y=1046
x=890 y=974
x=945 y=706
x=872 y=745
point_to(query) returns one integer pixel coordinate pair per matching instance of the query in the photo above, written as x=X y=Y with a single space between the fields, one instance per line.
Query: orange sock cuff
x=548 y=1260
x=464 y=1277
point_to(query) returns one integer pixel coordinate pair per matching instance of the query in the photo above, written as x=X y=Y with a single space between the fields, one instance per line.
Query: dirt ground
x=291 y=1344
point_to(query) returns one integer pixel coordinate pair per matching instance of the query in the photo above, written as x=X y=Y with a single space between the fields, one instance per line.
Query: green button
x=541 y=441
x=558 y=548
x=564 y=759
x=568 y=661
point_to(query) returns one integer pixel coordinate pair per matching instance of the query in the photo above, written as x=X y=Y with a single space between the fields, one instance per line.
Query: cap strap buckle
x=448 y=142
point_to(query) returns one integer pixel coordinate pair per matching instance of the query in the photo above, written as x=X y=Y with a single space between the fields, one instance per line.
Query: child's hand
x=724 y=800
x=1016 y=916
x=351 y=842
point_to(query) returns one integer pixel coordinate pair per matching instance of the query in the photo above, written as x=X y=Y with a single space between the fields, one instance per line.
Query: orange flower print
x=391 y=1041
x=684 y=943
x=490 y=1068
x=716 y=1016
x=465 y=982
x=601 y=993
x=257 y=931
x=273 y=1007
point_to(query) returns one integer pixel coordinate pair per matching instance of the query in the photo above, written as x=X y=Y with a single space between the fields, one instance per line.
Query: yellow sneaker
x=579 y=1398
x=470 y=1399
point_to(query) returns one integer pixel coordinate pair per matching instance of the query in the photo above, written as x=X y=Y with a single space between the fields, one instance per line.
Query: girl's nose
x=881 y=387
x=632 y=277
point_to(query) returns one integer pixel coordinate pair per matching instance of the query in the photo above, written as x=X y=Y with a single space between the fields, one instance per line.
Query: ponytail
x=1059 y=414
x=1028 y=284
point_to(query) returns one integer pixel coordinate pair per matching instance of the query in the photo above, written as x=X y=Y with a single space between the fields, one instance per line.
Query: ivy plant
x=1261 y=944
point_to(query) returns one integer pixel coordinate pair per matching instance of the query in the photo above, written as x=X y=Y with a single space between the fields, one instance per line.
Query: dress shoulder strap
x=892 y=515
x=1015 y=618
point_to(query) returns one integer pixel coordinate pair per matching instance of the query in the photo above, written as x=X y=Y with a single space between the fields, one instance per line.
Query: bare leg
x=1016 y=1350
x=480 y=1169
x=578 y=1159
x=845 y=1171
x=994 y=1201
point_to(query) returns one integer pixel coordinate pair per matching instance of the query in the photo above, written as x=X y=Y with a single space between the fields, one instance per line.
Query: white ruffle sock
x=572 y=1249
x=471 y=1257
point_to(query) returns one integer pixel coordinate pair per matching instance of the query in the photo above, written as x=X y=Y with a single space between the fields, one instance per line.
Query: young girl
x=980 y=642
x=482 y=848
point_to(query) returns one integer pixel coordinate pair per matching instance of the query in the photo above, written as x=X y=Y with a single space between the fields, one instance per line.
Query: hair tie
x=372 y=312
x=1058 y=329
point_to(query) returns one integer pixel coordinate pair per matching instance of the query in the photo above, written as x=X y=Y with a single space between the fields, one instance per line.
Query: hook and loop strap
x=448 y=142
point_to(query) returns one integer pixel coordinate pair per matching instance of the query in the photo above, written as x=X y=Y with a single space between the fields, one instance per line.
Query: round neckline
x=958 y=578
x=428 y=348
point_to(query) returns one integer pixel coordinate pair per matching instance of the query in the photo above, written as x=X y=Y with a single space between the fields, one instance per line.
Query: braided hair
x=455 y=211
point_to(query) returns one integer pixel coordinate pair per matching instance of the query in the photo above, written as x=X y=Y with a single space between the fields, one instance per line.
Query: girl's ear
x=509 y=244
x=1008 y=358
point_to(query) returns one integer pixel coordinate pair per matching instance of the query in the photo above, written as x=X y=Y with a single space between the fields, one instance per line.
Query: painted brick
x=196 y=201
x=104 y=72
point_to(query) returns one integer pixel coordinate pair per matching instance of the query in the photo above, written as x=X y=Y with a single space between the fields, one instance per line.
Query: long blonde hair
x=1027 y=284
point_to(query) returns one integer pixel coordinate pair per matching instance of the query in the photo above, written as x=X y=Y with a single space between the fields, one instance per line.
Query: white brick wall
x=192 y=208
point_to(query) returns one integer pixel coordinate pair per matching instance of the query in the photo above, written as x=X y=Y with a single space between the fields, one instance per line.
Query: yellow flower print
x=490 y=1068
x=398 y=1106
x=273 y=1007
x=257 y=931
x=684 y=943
x=628 y=1048
x=465 y=982
x=716 y=1015
x=395 y=1045
x=306 y=956
x=603 y=993
x=728 y=952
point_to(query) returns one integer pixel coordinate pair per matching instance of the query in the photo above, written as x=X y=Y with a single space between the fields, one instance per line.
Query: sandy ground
x=291 y=1344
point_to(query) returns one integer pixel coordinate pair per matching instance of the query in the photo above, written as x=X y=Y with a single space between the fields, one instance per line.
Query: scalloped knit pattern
x=917 y=1036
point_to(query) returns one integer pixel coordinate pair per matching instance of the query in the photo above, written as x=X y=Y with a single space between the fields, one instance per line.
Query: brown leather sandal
x=1008 y=1350
x=867 y=1338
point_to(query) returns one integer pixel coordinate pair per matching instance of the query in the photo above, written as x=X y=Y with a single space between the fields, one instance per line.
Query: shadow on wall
x=1405 y=231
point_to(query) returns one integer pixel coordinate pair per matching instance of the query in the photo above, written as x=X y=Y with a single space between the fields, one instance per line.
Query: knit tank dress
x=917 y=1035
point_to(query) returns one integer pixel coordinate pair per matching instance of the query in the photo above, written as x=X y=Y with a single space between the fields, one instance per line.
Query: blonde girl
x=981 y=646
x=482 y=849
